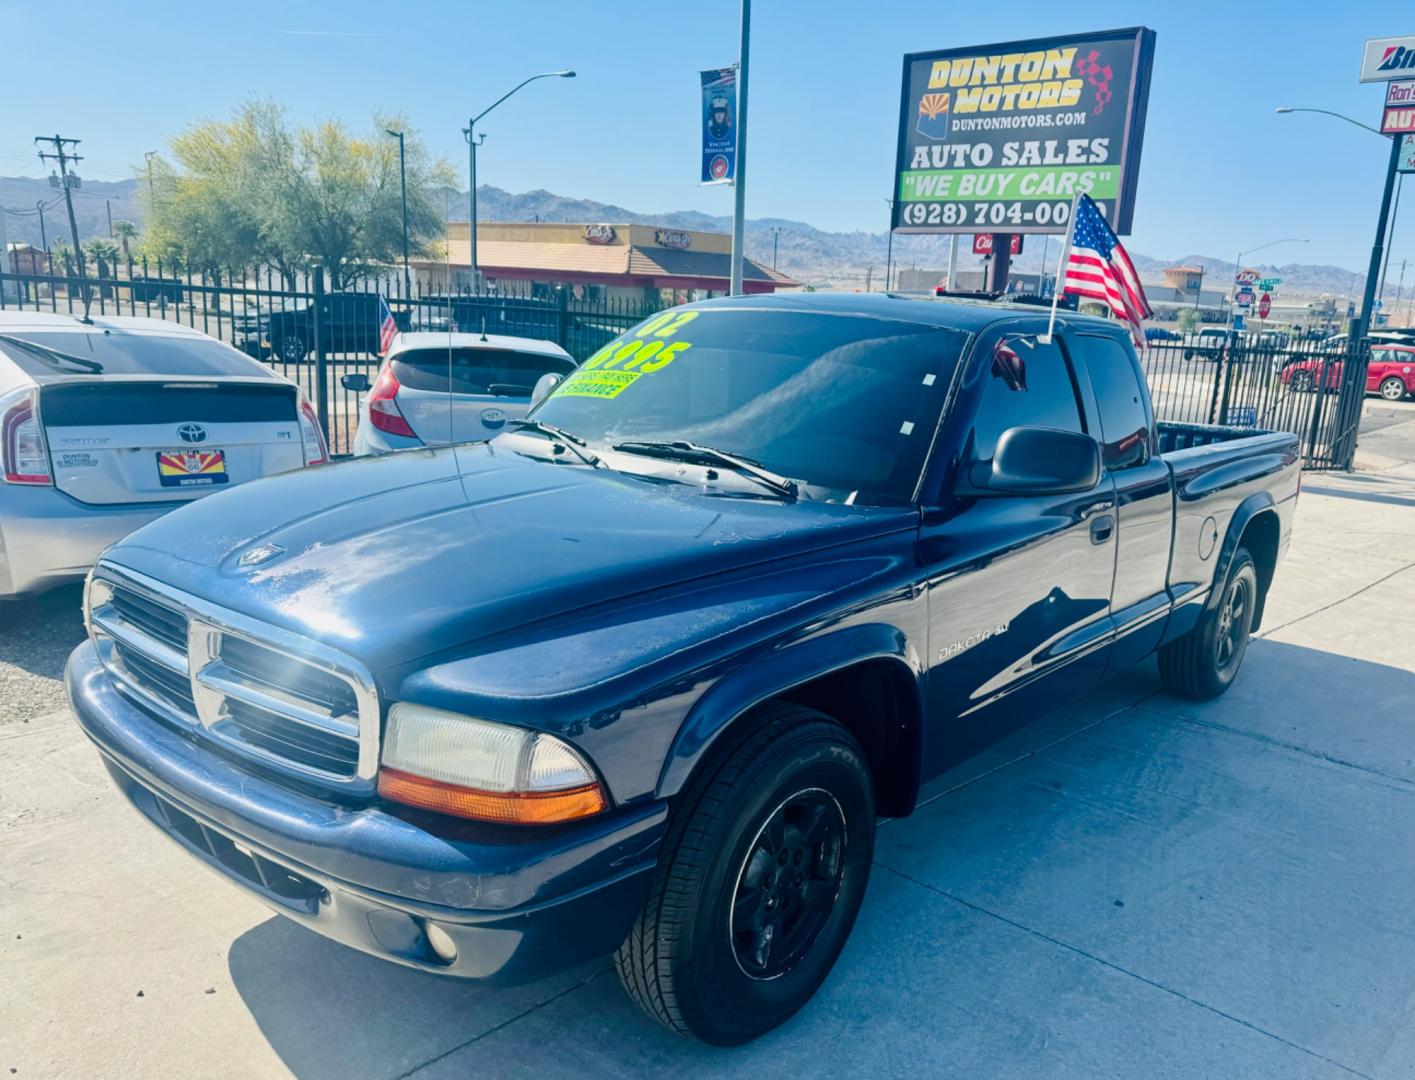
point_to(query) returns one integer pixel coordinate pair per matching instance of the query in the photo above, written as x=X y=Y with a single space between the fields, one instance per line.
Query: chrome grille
x=257 y=690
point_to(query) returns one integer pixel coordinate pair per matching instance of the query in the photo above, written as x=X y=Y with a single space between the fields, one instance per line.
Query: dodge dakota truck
x=637 y=674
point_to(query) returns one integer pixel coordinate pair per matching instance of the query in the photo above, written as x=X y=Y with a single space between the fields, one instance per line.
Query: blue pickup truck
x=638 y=674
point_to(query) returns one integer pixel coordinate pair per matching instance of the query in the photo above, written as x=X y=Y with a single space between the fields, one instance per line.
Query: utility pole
x=775 y=234
x=43 y=239
x=109 y=204
x=151 y=191
x=889 y=249
x=869 y=274
x=65 y=159
x=739 y=180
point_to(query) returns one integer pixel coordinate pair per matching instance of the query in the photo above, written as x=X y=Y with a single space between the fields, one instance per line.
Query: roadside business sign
x=1407 y=154
x=1398 y=116
x=982 y=244
x=1246 y=277
x=1000 y=138
x=719 y=125
x=1243 y=297
x=1389 y=58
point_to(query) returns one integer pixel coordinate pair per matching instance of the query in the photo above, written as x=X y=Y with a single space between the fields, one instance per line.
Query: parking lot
x=1135 y=886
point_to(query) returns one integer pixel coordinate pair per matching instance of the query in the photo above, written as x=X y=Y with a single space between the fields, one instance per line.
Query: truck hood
x=398 y=557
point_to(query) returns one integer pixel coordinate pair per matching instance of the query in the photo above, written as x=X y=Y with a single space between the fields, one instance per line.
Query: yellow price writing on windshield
x=620 y=363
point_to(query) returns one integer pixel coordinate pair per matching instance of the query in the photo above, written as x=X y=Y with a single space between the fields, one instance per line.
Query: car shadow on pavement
x=1134 y=884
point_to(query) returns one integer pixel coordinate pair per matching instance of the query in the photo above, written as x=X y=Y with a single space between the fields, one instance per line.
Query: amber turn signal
x=507 y=807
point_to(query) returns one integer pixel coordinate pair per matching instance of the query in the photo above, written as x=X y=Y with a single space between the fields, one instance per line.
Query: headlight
x=475 y=768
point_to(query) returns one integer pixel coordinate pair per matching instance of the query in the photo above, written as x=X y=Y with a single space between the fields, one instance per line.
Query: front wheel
x=1301 y=381
x=293 y=349
x=1204 y=662
x=1393 y=389
x=761 y=877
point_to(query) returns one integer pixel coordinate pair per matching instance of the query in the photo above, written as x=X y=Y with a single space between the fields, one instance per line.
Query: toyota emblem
x=192 y=433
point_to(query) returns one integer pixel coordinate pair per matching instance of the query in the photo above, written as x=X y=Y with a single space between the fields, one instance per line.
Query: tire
x=1393 y=389
x=1204 y=662
x=292 y=349
x=1301 y=382
x=694 y=959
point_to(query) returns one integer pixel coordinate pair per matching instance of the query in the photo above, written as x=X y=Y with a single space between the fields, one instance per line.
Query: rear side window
x=1026 y=384
x=1125 y=427
x=499 y=372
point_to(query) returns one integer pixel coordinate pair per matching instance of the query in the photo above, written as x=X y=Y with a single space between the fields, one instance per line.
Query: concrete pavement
x=1134 y=886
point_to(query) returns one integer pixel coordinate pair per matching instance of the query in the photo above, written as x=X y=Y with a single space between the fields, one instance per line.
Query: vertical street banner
x=1000 y=138
x=719 y=125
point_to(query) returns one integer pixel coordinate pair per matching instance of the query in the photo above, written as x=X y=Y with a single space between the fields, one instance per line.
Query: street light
x=472 y=142
x=403 y=181
x=1373 y=270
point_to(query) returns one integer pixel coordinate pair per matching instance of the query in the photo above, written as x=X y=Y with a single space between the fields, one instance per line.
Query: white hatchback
x=107 y=424
x=436 y=388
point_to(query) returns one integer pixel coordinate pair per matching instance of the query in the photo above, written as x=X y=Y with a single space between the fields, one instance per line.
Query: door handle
x=1101 y=528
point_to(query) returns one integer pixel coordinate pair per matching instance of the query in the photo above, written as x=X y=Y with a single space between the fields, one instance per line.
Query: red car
x=1391 y=372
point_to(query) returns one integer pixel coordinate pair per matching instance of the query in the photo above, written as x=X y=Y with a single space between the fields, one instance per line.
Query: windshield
x=843 y=402
x=134 y=354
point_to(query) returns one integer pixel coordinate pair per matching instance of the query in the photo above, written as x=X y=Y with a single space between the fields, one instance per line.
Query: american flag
x=1098 y=267
x=387 y=327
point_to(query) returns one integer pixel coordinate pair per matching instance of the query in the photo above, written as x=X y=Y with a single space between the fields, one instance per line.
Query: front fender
x=735 y=694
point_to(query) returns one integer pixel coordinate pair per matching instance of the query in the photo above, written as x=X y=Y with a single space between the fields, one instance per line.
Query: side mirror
x=544 y=385
x=1040 y=461
x=358 y=383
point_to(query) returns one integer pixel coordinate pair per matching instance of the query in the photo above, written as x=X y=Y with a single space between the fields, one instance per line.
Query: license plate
x=191 y=468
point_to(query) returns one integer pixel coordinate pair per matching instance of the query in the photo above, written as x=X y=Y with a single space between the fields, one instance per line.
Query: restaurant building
x=596 y=261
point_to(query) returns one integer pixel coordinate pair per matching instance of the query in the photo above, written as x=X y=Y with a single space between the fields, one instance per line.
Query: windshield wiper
x=710 y=455
x=561 y=437
x=44 y=352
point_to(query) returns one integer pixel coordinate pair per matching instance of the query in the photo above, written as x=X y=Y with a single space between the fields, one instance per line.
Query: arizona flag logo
x=933 y=116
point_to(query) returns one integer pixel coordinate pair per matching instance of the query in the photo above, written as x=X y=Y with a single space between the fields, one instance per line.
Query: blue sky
x=1220 y=170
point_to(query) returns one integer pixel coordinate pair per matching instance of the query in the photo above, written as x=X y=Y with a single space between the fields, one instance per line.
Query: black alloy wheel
x=788 y=884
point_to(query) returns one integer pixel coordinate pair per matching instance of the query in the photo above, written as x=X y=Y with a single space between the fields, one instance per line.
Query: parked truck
x=638 y=674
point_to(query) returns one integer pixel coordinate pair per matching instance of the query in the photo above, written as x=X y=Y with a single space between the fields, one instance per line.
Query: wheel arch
x=868 y=678
x=1255 y=526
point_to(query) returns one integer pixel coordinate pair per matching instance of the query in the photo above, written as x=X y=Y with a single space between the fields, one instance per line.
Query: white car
x=435 y=388
x=108 y=424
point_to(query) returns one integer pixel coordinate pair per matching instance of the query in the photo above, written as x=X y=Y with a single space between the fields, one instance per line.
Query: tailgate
x=142 y=440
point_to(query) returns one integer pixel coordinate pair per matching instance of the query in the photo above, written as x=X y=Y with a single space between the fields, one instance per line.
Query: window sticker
x=624 y=360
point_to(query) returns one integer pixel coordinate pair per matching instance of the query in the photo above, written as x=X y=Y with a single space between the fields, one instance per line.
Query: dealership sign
x=1388 y=58
x=1398 y=118
x=1001 y=138
x=1407 y=154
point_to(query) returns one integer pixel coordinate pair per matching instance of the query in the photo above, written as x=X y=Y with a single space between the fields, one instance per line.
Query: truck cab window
x=1125 y=426
x=1026 y=384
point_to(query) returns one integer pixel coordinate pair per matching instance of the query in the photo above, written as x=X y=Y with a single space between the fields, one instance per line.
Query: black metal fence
x=1265 y=381
x=315 y=335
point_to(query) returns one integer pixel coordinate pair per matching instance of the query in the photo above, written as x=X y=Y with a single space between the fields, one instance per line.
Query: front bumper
x=517 y=906
x=48 y=538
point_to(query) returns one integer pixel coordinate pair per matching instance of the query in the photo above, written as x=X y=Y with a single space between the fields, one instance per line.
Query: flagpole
x=1056 y=289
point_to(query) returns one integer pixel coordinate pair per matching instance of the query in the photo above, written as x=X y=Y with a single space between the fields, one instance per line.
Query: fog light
x=441 y=942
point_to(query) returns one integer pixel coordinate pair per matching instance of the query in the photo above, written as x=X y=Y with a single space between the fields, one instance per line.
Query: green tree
x=252 y=191
x=1189 y=320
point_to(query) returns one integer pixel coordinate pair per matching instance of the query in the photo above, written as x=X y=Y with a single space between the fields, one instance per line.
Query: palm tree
x=125 y=231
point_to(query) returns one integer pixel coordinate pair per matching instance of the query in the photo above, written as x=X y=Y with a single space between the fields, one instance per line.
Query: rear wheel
x=1393 y=389
x=1204 y=662
x=1301 y=381
x=293 y=349
x=759 y=883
